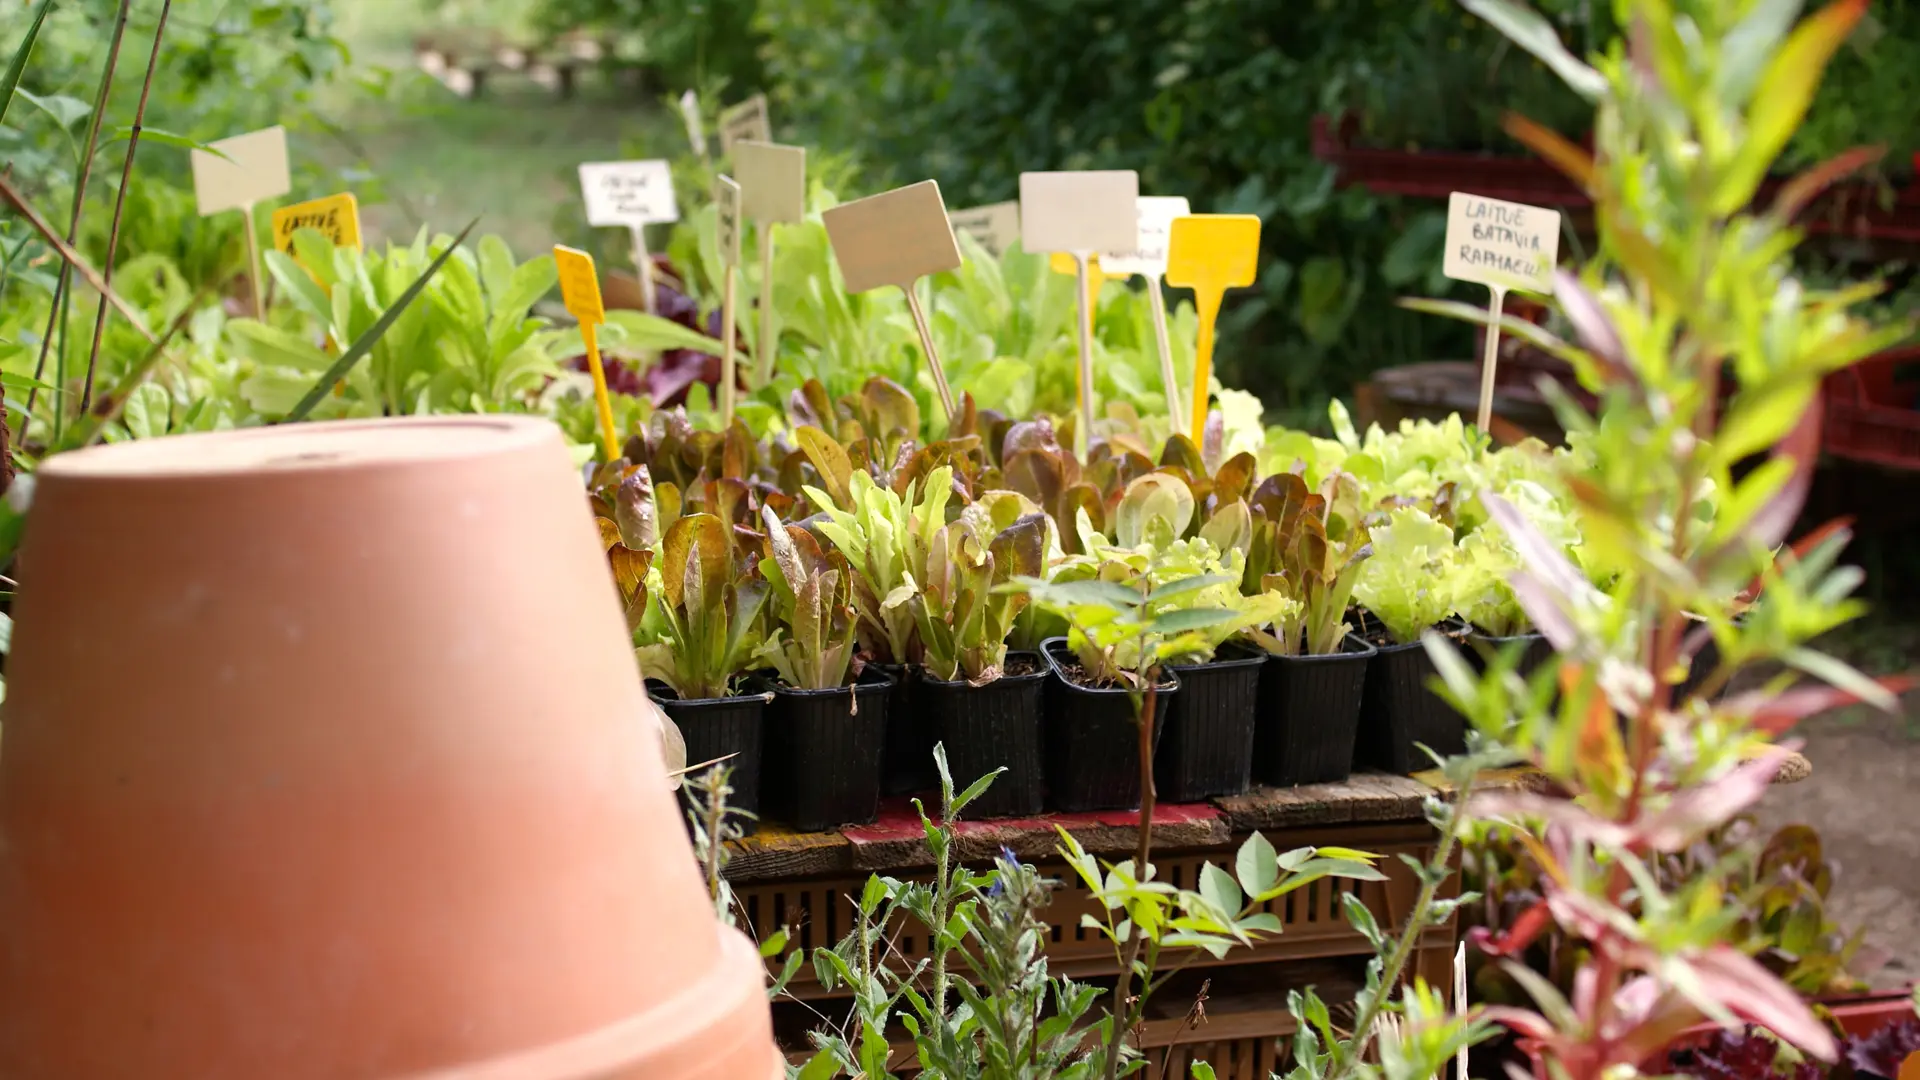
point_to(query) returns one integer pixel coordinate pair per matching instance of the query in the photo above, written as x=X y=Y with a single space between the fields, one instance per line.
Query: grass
x=508 y=156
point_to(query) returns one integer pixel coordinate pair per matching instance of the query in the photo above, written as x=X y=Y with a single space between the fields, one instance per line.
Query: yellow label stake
x=580 y=292
x=337 y=217
x=1210 y=253
x=1062 y=262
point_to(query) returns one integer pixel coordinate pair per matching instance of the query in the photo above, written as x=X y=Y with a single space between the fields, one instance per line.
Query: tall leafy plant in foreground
x=1691 y=285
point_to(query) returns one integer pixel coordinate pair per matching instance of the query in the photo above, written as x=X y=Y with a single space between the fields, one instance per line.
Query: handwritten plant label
x=773 y=181
x=628 y=192
x=1500 y=244
x=579 y=284
x=894 y=238
x=745 y=122
x=994 y=226
x=1148 y=258
x=690 y=112
x=253 y=169
x=1079 y=211
x=726 y=203
x=337 y=217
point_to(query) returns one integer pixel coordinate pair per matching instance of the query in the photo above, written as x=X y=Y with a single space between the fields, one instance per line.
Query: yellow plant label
x=1502 y=245
x=579 y=285
x=894 y=238
x=747 y=121
x=246 y=169
x=336 y=217
x=726 y=203
x=1213 y=251
x=995 y=226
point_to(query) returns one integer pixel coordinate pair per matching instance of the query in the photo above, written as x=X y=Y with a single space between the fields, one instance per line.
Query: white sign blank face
x=1149 y=257
x=628 y=192
x=893 y=238
x=773 y=181
x=1079 y=211
x=1501 y=244
x=254 y=169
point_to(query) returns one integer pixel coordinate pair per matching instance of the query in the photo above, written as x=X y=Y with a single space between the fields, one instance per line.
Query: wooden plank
x=898 y=842
x=776 y=851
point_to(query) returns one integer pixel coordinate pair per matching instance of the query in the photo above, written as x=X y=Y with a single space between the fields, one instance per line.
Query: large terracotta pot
x=326 y=756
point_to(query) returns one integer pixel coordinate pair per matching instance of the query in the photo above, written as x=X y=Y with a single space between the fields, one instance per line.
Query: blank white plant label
x=690 y=112
x=253 y=170
x=628 y=192
x=747 y=121
x=1082 y=212
x=994 y=226
x=894 y=238
x=1149 y=257
x=1499 y=244
x=773 y=181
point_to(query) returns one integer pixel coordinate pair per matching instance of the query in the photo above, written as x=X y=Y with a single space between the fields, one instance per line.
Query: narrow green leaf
x=11 y=81
x=364 y=344
x=124 y=132
x=650 y=333
x=1179 y=622
x=306 y=292
x=1526 y=28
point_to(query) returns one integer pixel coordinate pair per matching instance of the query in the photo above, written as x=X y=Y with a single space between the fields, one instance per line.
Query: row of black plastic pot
x=820 y=759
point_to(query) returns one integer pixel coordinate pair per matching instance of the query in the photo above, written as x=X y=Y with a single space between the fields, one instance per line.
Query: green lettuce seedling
x=1413 y=579
x=710 y=611
x=812 y=642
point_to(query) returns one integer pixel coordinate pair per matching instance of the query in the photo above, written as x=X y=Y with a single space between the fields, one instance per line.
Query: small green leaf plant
x=983 y=1003
x=811 y=643
x=709 y=611
x=964 y=612
x=1308 y=546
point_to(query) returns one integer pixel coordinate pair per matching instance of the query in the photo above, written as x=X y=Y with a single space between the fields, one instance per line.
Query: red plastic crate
x=1871 y=416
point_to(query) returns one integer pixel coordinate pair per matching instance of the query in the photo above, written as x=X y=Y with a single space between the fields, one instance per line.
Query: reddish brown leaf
x=1796 y=193
x=1576 y=163
x=1775 y=713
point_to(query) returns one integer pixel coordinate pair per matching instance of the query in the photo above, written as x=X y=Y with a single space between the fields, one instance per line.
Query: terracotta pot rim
x=339 y=446
x=695 y=1024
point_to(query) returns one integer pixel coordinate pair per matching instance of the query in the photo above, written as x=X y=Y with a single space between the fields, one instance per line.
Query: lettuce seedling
x=1308 y=547
x=812 y=642
x=1413 y=580
x=710 y=611
x=963 y=614
x=885 y=539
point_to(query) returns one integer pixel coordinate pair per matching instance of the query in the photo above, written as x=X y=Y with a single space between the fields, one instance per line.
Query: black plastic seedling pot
x=1092 y=741
x=1309 y=715
x=714 y=728
x=1206 y=747
x=989 y=726
x=824 y=753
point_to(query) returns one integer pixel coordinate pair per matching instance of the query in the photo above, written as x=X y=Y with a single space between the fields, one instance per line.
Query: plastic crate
x=1872 y=415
